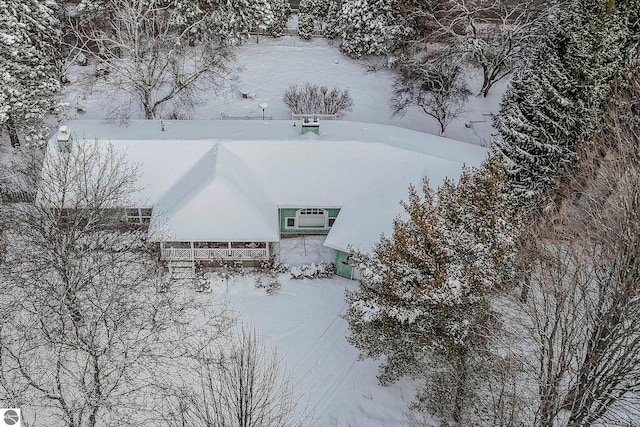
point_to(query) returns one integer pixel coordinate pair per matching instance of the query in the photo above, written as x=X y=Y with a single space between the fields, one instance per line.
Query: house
x=218 y=191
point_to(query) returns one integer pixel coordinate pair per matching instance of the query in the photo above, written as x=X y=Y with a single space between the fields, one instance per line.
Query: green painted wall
x=291 y=213
x=343 y=267
x=108 y=217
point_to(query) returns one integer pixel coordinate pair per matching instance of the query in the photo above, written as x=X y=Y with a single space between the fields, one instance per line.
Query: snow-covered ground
x=304 y=319
x=303 y=322
x=266 y=69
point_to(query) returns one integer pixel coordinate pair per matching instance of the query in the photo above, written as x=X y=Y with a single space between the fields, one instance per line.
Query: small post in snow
x=264 y=106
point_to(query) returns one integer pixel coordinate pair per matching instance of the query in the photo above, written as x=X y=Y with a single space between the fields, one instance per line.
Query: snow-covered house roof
x=225 y=180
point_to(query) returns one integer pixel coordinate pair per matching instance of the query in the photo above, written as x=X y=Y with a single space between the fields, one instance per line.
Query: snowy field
x=303 y=322
x=267 y=68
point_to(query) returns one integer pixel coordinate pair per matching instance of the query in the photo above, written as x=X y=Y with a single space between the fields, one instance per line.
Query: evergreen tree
x=203 y=20
x=306 y=21
x=281 y=10
x=369 y=27
x=331 y=20
x=30 y=39
x=240 y=17
x=556 y=97
x=326 y=12
x=424 y=293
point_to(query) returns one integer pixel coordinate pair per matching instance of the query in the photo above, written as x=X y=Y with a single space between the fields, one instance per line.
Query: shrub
x=313 y=271
x=271 y=287
x=312 y=99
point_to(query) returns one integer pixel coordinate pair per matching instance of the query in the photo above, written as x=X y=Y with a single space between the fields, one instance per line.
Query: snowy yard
x=266 y=69
x=303 y=321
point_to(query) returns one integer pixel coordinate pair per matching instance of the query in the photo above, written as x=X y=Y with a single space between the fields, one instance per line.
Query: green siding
x=115 y=216
x=343 y=265
x=291 y=213
x=311 y=129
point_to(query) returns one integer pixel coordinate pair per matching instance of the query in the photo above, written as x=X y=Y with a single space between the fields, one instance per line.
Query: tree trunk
x=442 y=128
x=149 y=111
x=526 y=286
x=485 y=88
x=461 y=386
x=13 y=132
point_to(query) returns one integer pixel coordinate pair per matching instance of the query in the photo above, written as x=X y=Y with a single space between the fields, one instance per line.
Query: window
x=312 y=218
x=139 y=215
x=309 y=218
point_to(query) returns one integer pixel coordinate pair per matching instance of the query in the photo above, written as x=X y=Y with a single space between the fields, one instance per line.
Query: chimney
x=311 y=124
x=64 y=139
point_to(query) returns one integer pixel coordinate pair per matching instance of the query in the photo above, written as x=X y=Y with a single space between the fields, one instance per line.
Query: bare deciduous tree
x=243 y=385
x=146 y=49
x=435 y=86
x=87 y=338
x=489 y=34
x=583 y=303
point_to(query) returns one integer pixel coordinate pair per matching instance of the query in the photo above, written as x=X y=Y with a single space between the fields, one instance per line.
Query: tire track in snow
x=318 y=357
x=317 y=344
x=327 y=397
x=328 y=347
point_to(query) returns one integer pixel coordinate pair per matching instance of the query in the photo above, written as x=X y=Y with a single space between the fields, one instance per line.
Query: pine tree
x=325 y=12
x=331 y=20
x=240 y=17
x=281 y=10
x=232 y=20
x=306 y=21
x=555 y=99
x=369 y=27
x=424 y=292
x=30 y=38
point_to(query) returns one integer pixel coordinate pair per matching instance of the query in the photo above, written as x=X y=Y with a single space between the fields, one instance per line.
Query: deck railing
x=296 y=116
x=206 y=254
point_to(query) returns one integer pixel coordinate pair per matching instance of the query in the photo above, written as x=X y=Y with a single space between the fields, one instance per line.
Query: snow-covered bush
x=233 y=268
x=272 y=266
x=306 y=19
x=271 y=286
x=312 y=99
x=202 y=281
x=313 y=271
x=324 y=13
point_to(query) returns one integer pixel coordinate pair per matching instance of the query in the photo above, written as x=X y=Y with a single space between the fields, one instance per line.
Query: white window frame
x=310 y=214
